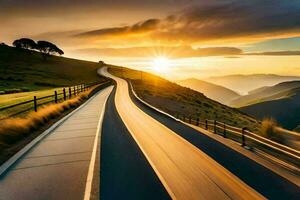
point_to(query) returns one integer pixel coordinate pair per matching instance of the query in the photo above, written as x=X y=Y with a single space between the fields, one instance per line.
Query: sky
x=175 y=38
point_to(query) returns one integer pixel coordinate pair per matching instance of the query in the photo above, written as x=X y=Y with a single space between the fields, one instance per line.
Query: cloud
x=140 y=27
x=171 y=52
x=276 y=53
x=216 y=21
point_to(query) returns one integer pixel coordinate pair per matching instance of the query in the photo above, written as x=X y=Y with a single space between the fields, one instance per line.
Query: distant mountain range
x=212 y=91
x=245 y=83
x=281 y=102
x=265 y=93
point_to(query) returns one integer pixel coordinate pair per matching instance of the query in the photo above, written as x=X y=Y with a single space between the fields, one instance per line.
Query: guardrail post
x=215 y=126
x=206 y=125
x=183 y=118
x=55 y=96
x=83 y=87
x=64 y=91
x=74 y=90
x=243 y=136
x=190 y=119
x=70 y=93
x=197 y=124
x=34 y=104
x=224 y=130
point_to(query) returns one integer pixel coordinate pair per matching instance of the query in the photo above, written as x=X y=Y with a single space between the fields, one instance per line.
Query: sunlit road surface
x=57 y=167
x=185 y=171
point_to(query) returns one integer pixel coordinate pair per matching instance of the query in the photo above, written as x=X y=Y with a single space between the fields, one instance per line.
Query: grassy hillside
x=215 y=92
x=278 y=91
x=245 y=83
x=27 y=70
x=285 y=108
x=175 y=99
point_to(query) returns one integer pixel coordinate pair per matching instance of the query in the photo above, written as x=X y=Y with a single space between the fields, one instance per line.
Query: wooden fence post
x=34 y=104
x=64 y=91
x=215 y=126
x=55 y=96
x=206 y=125
x=243 y=136
x=183 y=118
x=190 y=119
x=74 y=90
x=70 y=93
x=198 y=120
x=224 y=130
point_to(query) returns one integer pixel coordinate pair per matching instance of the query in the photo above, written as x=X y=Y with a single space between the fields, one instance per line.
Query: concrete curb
x=5 y=166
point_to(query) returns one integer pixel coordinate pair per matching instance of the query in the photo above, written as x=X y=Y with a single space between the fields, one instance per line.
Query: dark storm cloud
x=219 y=20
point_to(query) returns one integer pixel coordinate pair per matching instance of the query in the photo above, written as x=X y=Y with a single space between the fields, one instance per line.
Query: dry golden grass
x=13 y=130
x=268 y=127
x=271 y=130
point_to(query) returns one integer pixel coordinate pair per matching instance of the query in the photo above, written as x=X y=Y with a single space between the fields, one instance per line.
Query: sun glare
x=161 y=64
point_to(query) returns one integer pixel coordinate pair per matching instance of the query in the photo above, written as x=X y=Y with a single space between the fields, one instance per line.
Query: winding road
x=143 y=154
x=185 y=171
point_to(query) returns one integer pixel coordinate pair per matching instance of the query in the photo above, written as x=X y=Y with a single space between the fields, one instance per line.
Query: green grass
x=10 y=99
x=175 y=99
x=27 y=70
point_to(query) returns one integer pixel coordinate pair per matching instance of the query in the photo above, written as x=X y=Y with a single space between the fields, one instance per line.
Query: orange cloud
x=218 y=21
x=171 y=52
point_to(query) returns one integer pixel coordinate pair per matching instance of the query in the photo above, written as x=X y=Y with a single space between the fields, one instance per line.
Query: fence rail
x=247 y=138
x=34 y=104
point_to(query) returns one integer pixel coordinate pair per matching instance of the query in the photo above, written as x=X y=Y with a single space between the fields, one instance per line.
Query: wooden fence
x=34 y=104
x=247 y=138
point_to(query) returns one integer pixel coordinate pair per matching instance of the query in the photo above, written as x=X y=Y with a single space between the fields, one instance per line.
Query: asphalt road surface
x=260 y=178
x=125 y=172
x=185 y=171
x=57 y=167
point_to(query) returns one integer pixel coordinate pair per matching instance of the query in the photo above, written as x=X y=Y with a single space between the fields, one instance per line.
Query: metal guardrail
x=35 y=103
x=247 y=138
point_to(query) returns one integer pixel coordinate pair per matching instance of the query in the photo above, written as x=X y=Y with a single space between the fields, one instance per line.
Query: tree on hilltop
x=25 y=43
x=48 y=48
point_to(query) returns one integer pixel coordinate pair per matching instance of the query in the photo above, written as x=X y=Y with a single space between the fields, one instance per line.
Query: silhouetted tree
x=48 y=48
x=25 y=43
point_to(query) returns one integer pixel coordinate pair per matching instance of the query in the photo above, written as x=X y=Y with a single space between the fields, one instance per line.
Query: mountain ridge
x=213 y=91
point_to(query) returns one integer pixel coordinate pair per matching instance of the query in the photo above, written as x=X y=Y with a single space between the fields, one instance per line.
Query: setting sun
x=161 y=64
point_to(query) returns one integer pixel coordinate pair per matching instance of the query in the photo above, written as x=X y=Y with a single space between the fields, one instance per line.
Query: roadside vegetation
x=182 y=101
x=270 y=129
x=16 y=132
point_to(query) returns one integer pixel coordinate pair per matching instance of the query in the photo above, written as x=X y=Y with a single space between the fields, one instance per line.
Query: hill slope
x=285 y=109
x=266 y=94
x=21 y=68
x=215 y=92
x=175 y=99
x=245 y=83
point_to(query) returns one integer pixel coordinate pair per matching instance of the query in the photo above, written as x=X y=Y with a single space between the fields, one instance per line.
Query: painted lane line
x=89 y=180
